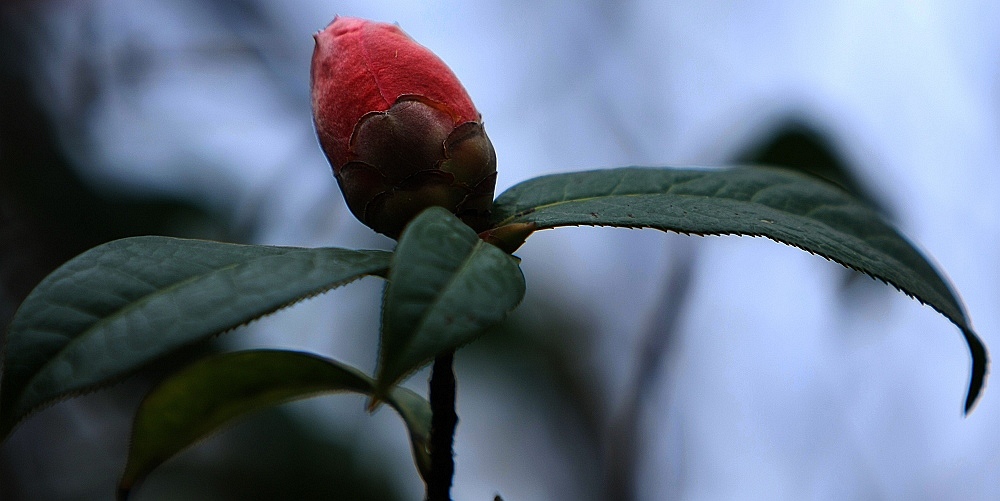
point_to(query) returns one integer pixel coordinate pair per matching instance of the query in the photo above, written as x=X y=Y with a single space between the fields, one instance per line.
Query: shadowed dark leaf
x=126 y=303
x=200 y=399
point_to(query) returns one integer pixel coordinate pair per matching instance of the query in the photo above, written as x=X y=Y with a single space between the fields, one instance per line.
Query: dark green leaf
x=781 y=205
x=123 y=304
x=200 y=399
x=799 y=145
x=445 y=287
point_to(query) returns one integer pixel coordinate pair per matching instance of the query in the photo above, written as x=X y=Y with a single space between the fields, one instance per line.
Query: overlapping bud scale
x=398 y=128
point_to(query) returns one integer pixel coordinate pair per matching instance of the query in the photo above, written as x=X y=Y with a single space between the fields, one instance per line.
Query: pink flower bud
x=399 y=129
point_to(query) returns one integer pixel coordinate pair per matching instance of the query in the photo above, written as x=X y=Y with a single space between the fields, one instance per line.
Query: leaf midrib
x=138 y=303
x=960 y=319
x=439 y=296
x=548 y=205
x=119 y=313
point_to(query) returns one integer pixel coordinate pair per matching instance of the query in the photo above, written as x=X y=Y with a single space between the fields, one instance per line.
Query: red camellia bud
x=399 y=129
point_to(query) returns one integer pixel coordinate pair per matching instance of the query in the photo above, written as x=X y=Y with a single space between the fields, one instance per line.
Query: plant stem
x=443 y=421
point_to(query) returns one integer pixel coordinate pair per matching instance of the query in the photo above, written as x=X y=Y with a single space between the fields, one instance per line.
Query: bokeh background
x=642 y=365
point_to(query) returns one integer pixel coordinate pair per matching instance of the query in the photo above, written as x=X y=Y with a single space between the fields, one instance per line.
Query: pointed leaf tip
x=980 y=368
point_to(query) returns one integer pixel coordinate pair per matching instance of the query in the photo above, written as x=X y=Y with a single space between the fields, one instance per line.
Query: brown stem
x=443 y=422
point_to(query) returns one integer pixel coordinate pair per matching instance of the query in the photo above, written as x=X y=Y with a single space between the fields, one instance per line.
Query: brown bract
x=398 y=128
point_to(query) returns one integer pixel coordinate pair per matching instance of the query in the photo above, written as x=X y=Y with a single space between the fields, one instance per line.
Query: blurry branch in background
x=47 y=213
x=255 y=26
x=545 y=352
x=623 y=442
x=792 y=144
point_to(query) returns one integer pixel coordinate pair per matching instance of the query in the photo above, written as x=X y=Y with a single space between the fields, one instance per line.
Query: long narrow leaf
x=123 y=304
x=445 y=287
x=781 y=205
x=202 y=398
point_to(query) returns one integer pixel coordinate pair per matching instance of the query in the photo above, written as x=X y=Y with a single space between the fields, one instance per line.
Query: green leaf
x=781 y=205
x=200 y=399
x=797 y=145
x=446 y=286
x=118 y=306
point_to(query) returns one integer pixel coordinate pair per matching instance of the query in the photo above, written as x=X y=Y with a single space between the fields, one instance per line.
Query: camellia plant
x=413 y=160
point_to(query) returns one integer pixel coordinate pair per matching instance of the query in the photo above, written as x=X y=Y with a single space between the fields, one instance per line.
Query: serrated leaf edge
x=118 y=379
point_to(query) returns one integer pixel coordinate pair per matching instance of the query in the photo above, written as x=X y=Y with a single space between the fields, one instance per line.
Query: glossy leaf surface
x=118 y=306
x=445 y=287
x=200 y=399
x=781 y=205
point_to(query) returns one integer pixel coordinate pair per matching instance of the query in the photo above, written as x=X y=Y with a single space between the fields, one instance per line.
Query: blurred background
x=642 y=365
